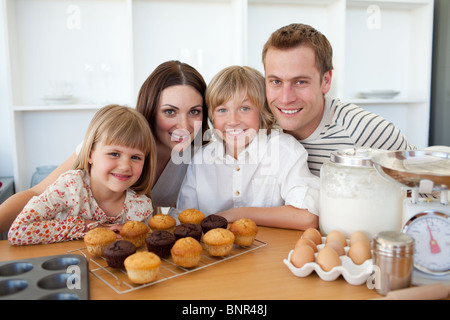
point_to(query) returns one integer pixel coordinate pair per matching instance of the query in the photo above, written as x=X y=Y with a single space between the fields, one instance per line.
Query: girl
x=111 y=176
x=172 y=101
x=247 y=172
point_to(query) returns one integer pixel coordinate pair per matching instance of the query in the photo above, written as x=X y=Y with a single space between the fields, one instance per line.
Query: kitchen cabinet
x=6 y=190
x=66 y=58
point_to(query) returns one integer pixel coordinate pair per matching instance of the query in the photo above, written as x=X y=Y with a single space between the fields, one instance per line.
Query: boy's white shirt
x=271 y=171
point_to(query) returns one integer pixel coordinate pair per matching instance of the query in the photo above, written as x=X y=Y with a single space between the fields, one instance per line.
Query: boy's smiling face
x=236 y=122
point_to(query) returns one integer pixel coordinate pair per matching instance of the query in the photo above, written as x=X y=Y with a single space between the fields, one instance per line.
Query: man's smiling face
x=295 y=89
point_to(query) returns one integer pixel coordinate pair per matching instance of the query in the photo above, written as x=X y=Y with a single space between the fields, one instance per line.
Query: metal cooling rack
x=117 y=279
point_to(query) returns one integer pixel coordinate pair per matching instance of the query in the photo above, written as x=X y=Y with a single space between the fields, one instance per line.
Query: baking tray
x=117 y=279
x=58 y=277
x=351 y=272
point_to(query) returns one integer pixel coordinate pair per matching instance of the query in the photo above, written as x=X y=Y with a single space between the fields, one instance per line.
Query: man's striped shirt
x=345 y=125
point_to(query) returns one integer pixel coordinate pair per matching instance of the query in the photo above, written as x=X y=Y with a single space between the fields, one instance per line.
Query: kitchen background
x=62 y=60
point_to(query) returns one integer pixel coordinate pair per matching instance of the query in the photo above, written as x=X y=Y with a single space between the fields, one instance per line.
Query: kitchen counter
x=258 y=274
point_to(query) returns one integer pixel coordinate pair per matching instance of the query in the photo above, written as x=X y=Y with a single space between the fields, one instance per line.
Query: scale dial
x=431 y=232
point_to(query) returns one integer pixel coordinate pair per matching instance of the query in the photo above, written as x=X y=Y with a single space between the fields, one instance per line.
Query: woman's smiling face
x=179 y=116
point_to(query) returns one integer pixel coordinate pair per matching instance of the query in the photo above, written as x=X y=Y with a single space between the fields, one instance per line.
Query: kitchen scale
x=426 y=213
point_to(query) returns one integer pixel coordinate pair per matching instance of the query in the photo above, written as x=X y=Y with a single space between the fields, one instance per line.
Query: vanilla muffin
x=218 y=242
x=186 y=252
x=162 y=222
x=142 y=267
x=135 y=232
x=97 y=239
x=244 y=231
x=191 y=216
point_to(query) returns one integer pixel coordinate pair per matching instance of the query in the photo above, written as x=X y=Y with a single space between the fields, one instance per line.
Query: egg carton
x=351 y=272
x=58 y=277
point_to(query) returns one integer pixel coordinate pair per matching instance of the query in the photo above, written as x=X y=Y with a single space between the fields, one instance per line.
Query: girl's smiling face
x=115 y=168
x=236 y=122
x=179 y=116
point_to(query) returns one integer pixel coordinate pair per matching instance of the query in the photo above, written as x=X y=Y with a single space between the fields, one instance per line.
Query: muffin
x=191 y=216
x=213 y=221
x=160 y=242
x=188 y=230
x=162 y=222
x=244 y=231
x=97 y=239
x=116 y=253
x=218 y=242
x=186 y=252
x=142 y=267
x=135 y=232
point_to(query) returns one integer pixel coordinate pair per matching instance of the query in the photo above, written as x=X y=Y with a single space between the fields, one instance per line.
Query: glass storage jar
x=354 y=196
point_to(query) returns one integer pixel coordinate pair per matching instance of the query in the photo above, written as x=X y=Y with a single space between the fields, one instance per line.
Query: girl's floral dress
x=58 y=214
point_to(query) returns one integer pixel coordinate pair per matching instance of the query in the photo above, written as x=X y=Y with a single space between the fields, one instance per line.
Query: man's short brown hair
x=297 y=34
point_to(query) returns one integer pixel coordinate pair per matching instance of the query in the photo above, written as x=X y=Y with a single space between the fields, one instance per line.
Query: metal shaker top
x=394 y=243
x=353 y=157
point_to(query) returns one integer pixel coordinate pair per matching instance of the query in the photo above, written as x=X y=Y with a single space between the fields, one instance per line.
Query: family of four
x=261 y=159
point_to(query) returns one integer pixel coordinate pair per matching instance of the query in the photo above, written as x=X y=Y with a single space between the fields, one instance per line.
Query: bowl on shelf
x=58 y=99
x=379 y=94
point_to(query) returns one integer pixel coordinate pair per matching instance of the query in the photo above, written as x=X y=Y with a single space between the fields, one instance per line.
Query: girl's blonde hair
x=232 y=82
x=124 y=126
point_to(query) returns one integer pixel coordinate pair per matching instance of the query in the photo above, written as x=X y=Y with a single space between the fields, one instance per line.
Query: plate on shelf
x=59 y=99
x=379 y=94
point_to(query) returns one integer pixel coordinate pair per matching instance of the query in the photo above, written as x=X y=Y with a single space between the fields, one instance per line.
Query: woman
x=172 y=101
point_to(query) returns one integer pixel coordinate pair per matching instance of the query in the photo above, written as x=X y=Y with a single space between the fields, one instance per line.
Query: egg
x=358 y=236
x=313 y=234
x=307 y=242
x=336 y=236
x=337 y=246
x=359 y=252
x=327 y=258
x=302 y=255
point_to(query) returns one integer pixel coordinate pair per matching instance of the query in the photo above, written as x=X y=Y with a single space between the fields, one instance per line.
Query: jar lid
x=353 y=157
x=393 y=242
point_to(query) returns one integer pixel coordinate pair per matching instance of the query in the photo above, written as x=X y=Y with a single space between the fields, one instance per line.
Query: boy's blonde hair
x=124 y=126
x=231 y=82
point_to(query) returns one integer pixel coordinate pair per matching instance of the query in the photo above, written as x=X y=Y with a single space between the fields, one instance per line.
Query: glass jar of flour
x=353 y=196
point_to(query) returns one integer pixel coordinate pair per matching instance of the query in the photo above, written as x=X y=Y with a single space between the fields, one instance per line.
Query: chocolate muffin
x=188 y=230
x=160 y=242
x=213 y=221
x=116 y=253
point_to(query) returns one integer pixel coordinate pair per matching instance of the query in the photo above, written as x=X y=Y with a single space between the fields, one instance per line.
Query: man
x=298 y=70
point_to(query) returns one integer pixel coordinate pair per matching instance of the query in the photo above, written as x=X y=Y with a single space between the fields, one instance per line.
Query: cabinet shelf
x=389 y=4
x=386 y=102
x=106 y=49
x=57 y=107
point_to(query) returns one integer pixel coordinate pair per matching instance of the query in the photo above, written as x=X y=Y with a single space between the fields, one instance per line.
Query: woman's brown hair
x=167 y=74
